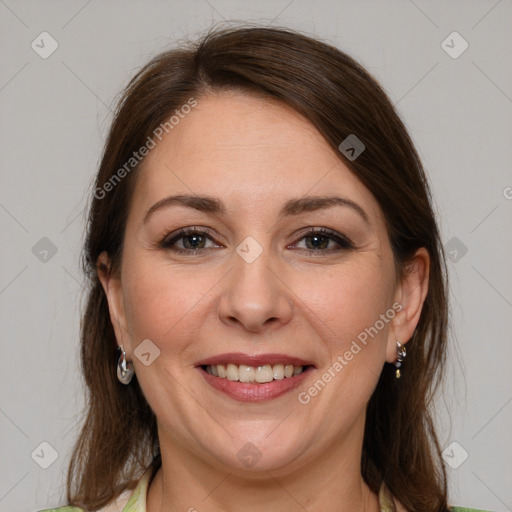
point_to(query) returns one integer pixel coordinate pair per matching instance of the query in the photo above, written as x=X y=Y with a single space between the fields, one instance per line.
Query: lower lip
x=254 y=392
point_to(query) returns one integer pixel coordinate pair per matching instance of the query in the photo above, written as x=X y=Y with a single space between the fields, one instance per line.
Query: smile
x=259 y=374
x=254 y=378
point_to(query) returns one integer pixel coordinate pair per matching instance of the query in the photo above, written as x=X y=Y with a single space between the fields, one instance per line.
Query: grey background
x=55 y=114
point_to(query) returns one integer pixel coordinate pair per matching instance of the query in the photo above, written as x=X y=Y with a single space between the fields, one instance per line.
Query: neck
x=330 y=481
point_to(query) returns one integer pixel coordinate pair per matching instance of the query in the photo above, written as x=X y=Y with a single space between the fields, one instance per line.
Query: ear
x=410 y=295
x=113 y=290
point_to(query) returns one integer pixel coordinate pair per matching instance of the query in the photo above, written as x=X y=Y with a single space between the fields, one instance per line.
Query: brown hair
x=119 y=436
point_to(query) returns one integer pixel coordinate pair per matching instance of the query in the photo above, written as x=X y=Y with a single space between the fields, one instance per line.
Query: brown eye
x=188 y=241
x=325 y=241
x=317 y=242
x=194 y=241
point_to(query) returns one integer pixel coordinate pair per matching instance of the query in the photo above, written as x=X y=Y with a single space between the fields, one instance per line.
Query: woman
x=267 y=314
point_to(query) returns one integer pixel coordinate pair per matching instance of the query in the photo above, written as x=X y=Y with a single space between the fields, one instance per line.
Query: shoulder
x=63 y=509
x=465 y=509
x=116 y=506
x=132 y=501
x=388 y=503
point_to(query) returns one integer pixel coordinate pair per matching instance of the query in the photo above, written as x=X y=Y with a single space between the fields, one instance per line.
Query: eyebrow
x=297 y=206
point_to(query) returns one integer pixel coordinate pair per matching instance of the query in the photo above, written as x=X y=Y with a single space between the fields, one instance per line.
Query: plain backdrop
x=55 y=112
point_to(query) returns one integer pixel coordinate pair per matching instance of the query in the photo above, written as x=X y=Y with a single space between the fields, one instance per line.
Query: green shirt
x=136 y=501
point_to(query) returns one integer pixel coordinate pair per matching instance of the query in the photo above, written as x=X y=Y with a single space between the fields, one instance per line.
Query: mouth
x=254 y=378
x=253 y=374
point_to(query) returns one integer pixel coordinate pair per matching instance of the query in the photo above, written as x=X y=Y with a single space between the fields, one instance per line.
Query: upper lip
x=253 y=360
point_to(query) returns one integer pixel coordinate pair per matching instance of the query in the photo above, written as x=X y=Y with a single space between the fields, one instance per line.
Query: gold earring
x=401 y=352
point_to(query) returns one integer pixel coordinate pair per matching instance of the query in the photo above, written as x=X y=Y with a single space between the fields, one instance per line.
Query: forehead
x=250 y=151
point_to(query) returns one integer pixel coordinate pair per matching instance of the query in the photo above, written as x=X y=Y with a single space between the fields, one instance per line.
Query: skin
x=254 y=155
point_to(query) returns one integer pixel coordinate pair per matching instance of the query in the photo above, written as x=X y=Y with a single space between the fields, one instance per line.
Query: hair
x=339 y=97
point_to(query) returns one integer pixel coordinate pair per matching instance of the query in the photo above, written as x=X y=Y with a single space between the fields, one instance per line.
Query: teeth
x=278 y=370
x=232 y=372
x=245 y=373
x=260 y=374
x=264 y=374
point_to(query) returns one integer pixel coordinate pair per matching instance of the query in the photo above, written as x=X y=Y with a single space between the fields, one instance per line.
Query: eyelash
x=169 y=240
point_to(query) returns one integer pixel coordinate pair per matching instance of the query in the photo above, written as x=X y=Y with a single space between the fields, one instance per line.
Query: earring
x=125 y=368
x=400 y=350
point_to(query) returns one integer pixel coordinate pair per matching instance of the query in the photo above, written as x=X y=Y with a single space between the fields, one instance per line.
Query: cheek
x=347 y=303
x=160 y=300
x=350 y=302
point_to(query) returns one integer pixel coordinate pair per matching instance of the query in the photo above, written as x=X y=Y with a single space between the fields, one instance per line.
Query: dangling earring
x=125 y=368
x=400 y=350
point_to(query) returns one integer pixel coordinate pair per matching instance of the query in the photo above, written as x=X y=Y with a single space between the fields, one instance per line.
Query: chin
x=258 y=454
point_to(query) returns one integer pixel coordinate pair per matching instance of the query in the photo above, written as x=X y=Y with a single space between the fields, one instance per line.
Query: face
x=245 y=269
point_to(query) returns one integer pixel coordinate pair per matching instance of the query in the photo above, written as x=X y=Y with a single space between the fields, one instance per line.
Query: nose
x=254 y=296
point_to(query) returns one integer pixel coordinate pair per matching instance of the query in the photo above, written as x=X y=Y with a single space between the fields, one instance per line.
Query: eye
x=194 y=241
x=189 y=240
x=322 y=240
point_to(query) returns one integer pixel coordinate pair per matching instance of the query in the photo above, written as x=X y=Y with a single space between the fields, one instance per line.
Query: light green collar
x=136 y=502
